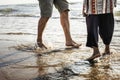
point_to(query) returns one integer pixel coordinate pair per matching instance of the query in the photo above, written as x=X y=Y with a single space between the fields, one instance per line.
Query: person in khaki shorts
x=46 y=7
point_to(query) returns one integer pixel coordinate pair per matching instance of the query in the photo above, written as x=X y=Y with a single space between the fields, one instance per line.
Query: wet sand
x=20 y=61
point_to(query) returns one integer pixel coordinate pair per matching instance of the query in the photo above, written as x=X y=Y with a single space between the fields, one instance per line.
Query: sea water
x=18 y=24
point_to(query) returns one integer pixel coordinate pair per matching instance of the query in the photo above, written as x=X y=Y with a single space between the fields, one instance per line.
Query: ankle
x=96 y=50
x=39 y=41
x=69 y=42
x=107 y=48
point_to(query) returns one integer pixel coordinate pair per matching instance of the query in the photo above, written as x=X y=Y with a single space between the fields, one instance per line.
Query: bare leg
x=41 y=26
x=96 y=54
x=66 y=27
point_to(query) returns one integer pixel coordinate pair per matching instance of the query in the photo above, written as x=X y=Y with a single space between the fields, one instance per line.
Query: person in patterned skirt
x=99 y=21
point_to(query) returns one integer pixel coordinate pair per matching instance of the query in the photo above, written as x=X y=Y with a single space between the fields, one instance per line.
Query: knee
x=64 y=14
x=43 y=19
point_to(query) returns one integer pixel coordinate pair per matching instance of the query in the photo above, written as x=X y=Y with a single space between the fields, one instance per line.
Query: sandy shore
x=20 y=61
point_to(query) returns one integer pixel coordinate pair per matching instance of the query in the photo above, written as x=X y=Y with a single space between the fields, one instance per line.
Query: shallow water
x=19 y=60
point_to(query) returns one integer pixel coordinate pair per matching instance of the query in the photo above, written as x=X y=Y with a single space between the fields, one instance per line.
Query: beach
x=21 y=60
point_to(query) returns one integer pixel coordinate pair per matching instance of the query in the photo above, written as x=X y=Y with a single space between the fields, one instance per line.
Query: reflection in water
x=99 y=72
x=96 y=71
x=53 y=66
x=17 y=26
x=65 y=64
x=49 y=63
x=102 y=70
x=58 y=64
x=41 y=68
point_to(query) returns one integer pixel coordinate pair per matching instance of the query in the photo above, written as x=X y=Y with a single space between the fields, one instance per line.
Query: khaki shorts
x=46 y=6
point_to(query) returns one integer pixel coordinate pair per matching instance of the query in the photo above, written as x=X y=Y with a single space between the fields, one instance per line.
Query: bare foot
x=41 y=45
x=77 y=43
x=93 y=57
x=106 y=53
x=107 y=50
x=73 y=45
